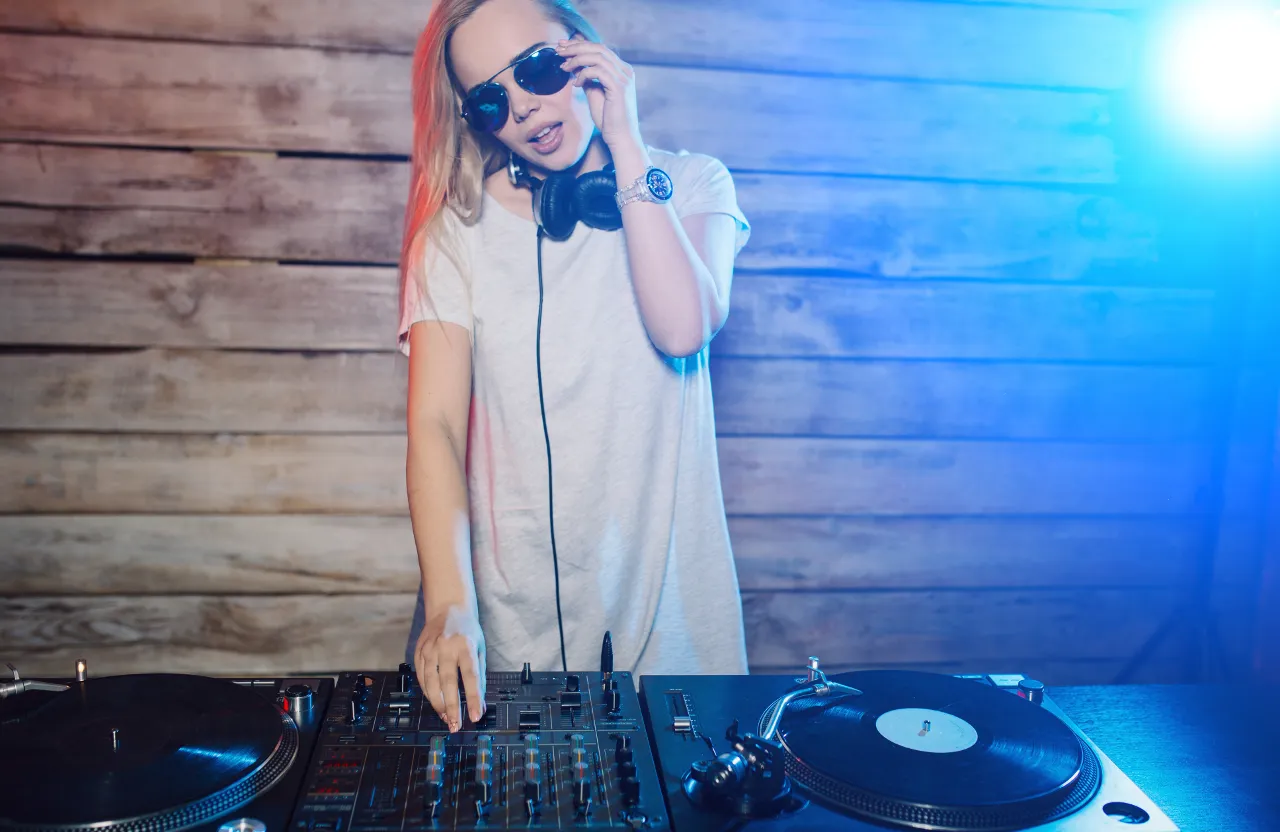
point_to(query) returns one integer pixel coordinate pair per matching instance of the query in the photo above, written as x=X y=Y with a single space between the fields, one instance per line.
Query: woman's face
x=550 y=131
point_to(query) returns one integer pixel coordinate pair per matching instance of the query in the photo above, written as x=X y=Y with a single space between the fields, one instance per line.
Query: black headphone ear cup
x=556 y=209
x=595 y=201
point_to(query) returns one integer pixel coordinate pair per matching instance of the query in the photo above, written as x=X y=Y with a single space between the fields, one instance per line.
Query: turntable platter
x=929 y=751
x=168 y=749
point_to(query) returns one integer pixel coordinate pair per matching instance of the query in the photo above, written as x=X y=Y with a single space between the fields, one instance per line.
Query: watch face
x=659 y=184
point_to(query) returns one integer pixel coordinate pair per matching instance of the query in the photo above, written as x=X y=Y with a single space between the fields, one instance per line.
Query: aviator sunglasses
x=487 y=106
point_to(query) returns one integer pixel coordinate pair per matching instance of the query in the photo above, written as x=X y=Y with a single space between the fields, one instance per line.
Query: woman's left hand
x=612 y=96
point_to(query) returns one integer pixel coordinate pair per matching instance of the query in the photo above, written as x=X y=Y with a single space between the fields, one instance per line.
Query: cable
x=546 y=434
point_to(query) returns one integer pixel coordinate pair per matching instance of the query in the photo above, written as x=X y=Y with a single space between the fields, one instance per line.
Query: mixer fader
x=553 y=751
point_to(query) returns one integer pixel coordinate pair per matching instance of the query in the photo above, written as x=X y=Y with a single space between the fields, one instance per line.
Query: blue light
x=230 y=758
x=1219 y=70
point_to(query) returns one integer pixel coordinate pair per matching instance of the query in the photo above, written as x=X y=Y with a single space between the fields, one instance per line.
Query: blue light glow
x=1219 y=70
x=230 y=758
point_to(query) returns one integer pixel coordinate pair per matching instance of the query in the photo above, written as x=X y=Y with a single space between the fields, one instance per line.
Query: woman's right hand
x=452 y=645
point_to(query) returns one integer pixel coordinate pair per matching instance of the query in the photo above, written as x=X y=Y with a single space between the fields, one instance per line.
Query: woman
x=562 y=470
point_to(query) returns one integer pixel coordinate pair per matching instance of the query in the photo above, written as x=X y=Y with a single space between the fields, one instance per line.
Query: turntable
x=882 y=749
x=154 y=753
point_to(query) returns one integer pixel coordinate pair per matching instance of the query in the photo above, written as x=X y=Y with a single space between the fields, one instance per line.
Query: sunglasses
x=487 y=106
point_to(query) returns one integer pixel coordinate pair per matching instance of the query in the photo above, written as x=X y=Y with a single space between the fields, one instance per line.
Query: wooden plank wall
x=961 y=398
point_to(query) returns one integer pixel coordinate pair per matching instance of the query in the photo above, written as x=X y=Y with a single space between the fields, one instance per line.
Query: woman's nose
x=523 y=105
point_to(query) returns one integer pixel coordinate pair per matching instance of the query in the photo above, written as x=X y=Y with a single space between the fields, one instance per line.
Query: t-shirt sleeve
x=435 y=290
x=703 y=185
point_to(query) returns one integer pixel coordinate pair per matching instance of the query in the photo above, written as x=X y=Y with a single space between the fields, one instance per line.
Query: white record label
x=921 y=729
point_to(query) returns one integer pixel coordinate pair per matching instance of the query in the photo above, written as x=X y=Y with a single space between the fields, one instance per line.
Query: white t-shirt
x=641 y=537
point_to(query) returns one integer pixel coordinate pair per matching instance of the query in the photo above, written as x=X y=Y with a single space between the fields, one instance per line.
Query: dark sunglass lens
x=540 y=73
x=487 y=108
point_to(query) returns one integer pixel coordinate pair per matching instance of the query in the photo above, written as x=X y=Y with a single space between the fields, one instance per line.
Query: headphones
x=562 y=200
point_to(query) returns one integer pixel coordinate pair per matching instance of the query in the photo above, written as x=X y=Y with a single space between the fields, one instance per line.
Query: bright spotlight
x=1219 y=65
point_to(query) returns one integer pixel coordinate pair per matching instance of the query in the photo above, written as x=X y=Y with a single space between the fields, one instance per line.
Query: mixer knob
x=613 y=702
x=404 y=678
x=622 y=743
x=431 y=802
x=626 y=770
x=355 y=711
x=484 y=792
x=484 y=773
x=435 y=777
x=532 y=797
x=630 y=791
x=581 y=787
x=526 y=674
x=572 y=683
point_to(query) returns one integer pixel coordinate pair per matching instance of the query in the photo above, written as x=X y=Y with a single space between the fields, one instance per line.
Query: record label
x=923 y=729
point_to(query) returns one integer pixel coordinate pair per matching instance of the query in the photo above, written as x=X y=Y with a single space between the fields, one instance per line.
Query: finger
x=574 y=62
x=449 y=682
x=471 y=684
x=609 y=80
x=579 y=47
x=429 y=679
x=596 y=57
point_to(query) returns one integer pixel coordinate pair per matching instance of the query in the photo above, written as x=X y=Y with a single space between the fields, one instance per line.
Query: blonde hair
x=449 y=161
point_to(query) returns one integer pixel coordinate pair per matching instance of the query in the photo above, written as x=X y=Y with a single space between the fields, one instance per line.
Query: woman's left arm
x=681 y=269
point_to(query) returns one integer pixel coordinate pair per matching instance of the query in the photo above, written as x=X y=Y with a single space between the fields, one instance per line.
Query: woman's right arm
x=438 y=409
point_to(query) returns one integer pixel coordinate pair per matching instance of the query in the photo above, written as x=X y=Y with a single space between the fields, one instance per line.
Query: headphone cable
x=546 y=435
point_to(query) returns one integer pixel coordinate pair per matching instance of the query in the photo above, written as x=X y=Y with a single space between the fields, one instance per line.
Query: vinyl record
x=169 y=749
x=930 y=751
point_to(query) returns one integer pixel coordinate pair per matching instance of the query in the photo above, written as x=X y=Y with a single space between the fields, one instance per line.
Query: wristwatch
x=653 y=186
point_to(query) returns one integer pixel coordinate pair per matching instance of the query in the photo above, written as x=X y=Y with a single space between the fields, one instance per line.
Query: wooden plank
x=364 y=474
x=89 y=200
x=258 y=474
x=955 y=42
x=986 y=627
x=854 y=476
x=346 y=554
x=862 y=553
x=265 y=306
x=943 y=399
x=1168 y=668
x=108 y=91
x=203 y=391
x=206 y=634
x=178 y=305
x=230 y=634
x=185 y=554
x=840 y=318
